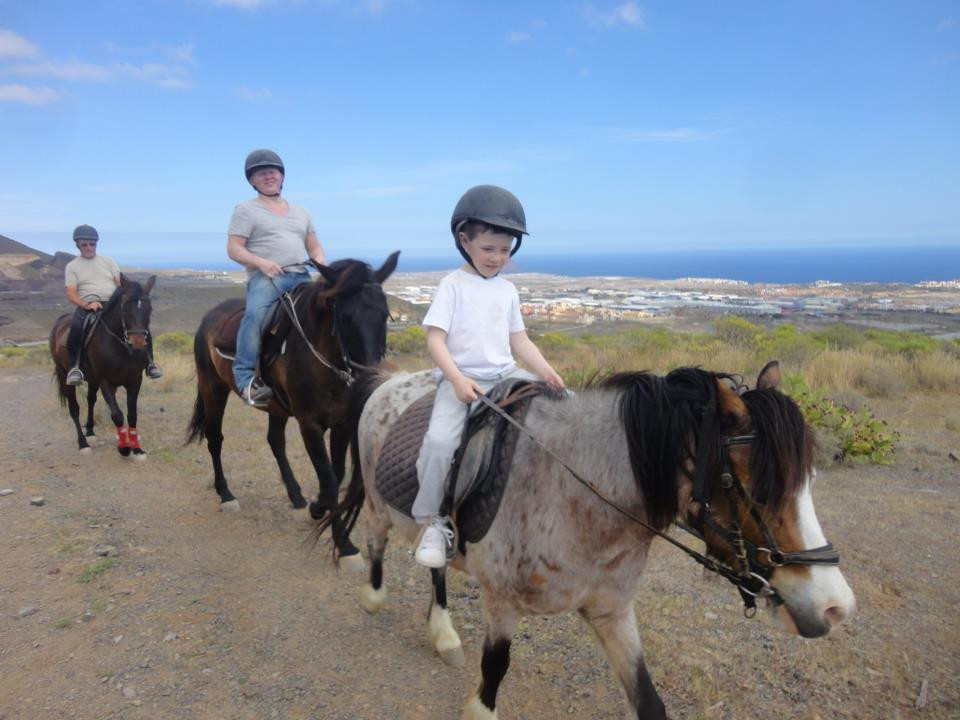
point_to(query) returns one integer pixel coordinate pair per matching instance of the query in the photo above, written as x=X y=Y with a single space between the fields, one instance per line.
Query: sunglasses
x=87 y=243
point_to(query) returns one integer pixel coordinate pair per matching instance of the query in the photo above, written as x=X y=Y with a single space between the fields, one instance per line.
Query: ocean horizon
x=843 y=265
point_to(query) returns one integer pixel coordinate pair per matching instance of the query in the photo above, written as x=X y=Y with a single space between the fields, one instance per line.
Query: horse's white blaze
x=444 y=638
x=230 y=506
x=823 y=597
x=372 y=600
x=476 y=710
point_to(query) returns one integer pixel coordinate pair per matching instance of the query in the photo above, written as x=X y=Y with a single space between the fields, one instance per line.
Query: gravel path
x=126 y=594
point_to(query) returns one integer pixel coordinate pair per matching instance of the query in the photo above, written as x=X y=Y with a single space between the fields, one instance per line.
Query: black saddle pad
x=482 y=463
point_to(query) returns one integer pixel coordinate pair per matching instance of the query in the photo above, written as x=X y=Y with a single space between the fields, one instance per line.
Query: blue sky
x=620 y=125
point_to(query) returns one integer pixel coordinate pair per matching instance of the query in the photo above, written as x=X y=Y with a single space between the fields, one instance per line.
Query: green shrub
x=902 y=342
x=173 y=343
x=738 y=331
x=858 y=436
x=411 y=339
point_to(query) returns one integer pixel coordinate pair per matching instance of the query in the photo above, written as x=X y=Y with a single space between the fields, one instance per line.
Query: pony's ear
x=770 y=377
x=328 y=274
x=729 y=401
x=148 y=286
x=386 y=270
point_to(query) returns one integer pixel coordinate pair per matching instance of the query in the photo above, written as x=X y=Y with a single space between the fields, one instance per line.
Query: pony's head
x=360 y=307
x=751 y=500
x=736 y=466
x=133 y=300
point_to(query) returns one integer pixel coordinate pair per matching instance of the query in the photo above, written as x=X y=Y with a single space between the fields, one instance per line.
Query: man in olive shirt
x=91 y=280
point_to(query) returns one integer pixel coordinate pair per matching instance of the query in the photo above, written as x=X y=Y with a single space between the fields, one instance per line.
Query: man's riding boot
x=74 y=348
x=153 y=370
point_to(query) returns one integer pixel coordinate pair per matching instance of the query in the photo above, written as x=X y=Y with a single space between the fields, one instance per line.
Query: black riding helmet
x=493 y=205
x=85 y=232
x=260 y=159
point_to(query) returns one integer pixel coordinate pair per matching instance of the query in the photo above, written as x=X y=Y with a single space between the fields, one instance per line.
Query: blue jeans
x=261 y=294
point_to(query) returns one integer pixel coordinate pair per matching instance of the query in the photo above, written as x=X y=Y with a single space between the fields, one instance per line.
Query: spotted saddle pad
x=481 y=465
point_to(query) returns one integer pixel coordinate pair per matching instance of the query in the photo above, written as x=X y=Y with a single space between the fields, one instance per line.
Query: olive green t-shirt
x=96 y=278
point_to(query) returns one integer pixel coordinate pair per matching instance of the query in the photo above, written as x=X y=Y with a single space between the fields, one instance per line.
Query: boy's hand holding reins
x=466 y=390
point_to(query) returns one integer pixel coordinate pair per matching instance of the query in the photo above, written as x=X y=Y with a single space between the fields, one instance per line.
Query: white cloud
x=674 y=135
x=518 y=36
x=180 y=53
x=253 y=95
x=628 y=13
x=13 y=45
x=948 y=23
x=157 y=74
x=28 y=95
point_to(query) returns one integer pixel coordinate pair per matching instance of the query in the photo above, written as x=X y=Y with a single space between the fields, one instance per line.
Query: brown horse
x=115 y=356
x=343 y=316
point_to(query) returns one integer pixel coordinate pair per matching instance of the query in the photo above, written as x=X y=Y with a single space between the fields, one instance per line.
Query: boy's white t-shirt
x=478 y=316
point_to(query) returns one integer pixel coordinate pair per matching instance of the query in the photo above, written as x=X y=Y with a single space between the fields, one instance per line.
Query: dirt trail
x=195 y=613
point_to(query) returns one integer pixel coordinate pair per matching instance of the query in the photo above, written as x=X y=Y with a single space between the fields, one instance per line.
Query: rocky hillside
x=26 y=269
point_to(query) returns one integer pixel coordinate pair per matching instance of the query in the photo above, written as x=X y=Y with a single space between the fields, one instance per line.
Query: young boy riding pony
x=474 y=331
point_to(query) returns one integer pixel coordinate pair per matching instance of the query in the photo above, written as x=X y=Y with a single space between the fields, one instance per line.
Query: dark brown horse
x=343 y=315
x=115 y=356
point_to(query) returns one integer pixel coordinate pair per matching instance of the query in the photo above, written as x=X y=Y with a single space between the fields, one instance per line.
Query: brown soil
x=200 y=614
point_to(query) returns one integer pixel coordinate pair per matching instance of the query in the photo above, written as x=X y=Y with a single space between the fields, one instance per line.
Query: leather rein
x=749 y=575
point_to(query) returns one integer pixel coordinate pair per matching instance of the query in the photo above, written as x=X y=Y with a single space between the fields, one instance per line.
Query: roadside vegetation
x=833 y=373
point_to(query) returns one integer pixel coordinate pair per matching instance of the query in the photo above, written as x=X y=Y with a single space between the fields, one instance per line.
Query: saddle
x=481 y=466
x=278 y=326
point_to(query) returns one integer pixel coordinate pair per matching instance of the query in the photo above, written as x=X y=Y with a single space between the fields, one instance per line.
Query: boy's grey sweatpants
x=442 y=440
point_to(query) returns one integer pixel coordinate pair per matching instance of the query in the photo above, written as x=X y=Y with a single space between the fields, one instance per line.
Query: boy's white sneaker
x=436 y=543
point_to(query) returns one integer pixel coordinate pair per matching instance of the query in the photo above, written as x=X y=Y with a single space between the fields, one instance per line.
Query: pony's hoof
x=353 y=563
x=476 y=710
x=298 y=504
x=86 y=450
x=124 y=451
x=453 y=656
x=318 y=511
x=139 y=456
x=230 y=506
x=372 y=600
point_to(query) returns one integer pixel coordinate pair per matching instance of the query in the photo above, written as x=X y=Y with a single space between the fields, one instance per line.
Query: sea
x=842 y=265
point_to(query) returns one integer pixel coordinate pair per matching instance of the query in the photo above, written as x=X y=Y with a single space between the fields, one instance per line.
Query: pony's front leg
x=109 y=395
x=277 y=437
x=327 y=498
x=617 y=631
x=440 y=628
x=501 y=624
x=133 y=435
x=92 y=390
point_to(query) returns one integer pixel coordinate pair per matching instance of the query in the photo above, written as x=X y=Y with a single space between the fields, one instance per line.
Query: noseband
x=753 y=565
x=124 y=337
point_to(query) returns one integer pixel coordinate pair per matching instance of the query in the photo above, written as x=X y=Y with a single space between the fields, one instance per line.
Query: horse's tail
x=59 y=376
x=343 y=518
x=205 y=370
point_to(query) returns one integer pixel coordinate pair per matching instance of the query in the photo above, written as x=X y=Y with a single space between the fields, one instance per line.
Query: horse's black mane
x=662 y=416
x=132 y=291
x=356 y=274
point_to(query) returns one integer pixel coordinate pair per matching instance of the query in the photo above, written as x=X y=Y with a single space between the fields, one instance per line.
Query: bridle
x=346 y=374
x=124 y=338
x=748 y=573
x=753 y=566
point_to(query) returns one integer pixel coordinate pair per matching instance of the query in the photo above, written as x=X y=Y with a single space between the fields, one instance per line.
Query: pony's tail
x=195 y=430
x=59 y=379
x=343 y=518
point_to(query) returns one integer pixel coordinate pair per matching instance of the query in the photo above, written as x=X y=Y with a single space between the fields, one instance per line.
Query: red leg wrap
x=123 y=439
x=134 y=438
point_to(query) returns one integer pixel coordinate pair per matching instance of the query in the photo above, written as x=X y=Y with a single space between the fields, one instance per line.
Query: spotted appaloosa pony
x=115 y=356
x=649 y=445
x=344 y=317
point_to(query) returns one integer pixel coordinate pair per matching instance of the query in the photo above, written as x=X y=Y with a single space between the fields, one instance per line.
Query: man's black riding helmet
x=85 y=232
x=260 y=159
x=493 y=205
